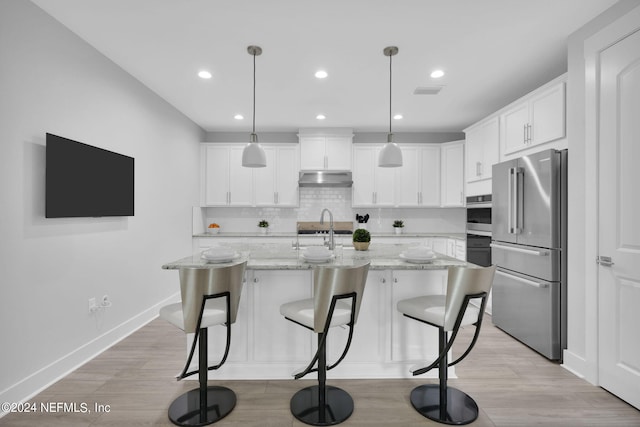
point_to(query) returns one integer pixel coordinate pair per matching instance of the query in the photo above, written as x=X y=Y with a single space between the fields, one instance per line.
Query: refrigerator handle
x=523 y=280
x=521 y=250
x=512 y=201
x=518 y=199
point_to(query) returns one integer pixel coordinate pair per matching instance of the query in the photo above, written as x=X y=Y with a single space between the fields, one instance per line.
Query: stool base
x=185 y=410
x=461 y=408
x=305 y=406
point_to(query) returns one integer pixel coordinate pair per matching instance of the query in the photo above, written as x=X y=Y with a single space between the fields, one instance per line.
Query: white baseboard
x=575 y=364
x=40 y=380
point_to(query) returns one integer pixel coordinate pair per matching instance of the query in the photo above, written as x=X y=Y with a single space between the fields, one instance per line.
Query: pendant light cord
x=254 y=93
x=390 y=56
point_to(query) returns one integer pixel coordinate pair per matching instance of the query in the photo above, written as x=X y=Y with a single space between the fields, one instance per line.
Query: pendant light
x=253 y=155
x=390 y=155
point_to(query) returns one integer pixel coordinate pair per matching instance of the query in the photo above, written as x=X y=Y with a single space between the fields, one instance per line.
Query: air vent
x=427 y=90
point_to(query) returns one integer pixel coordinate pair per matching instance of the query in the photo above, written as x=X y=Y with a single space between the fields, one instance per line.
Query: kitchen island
x=385 y=344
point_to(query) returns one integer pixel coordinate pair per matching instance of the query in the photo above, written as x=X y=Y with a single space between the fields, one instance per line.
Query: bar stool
x=210 y=296
x=448 y=313
x=337 y=295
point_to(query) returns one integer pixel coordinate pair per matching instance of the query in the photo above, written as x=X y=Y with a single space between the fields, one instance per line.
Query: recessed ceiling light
x=238 y=117
x=321 y=117
x=204 y=74
x=321 y=74
x=397 y=116
x=436 y=74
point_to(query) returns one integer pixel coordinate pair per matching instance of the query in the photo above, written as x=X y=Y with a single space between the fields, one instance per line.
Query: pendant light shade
x=390 y=156
x=253 y=155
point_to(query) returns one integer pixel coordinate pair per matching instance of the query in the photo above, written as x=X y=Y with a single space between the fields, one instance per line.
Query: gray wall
x=52 y=81
x=359 y=137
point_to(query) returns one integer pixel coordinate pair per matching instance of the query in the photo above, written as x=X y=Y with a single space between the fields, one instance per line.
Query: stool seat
x=215 y=313
x=302 y=312
x=431 y=309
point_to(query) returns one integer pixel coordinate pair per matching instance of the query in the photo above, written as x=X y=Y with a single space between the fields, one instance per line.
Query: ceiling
x=492 y=51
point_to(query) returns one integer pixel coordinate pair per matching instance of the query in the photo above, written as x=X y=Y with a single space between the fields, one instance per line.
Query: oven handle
x=521 y=250
x=523 y=280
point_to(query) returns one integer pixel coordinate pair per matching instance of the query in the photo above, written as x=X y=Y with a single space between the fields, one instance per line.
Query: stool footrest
x=459 y=409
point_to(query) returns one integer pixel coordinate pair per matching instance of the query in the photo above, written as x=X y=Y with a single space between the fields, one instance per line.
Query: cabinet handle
x=383 y=280
x=529 y=136
x=478 y=168
x=524 y=133
x=395 y=280
x=228 y=197
x=256 y=280
x=461 y=198
x=326 y=162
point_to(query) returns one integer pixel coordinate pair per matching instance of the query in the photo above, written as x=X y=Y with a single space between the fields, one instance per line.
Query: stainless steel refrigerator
x=529 y=223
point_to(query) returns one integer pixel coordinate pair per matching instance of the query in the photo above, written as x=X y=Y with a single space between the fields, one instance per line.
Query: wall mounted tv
x=86 y=181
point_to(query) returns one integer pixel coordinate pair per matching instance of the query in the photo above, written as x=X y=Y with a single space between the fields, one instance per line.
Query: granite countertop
x=374 y=234
x=279 y=256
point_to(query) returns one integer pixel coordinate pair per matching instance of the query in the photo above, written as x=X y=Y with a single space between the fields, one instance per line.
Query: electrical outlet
x=92 y=305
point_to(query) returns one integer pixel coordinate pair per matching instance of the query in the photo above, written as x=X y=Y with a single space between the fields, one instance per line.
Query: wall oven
x=479 y=229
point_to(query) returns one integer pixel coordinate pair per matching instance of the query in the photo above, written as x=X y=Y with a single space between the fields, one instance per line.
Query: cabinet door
x=429 y=176
x=548 y=115
x=265 y=179
x=276 y=339
x=384 y=183
x=312 y=152
x=515 y=122
x=409 y=181
x=413 y=340
x=241 y=186
x=474 y=138
x=338 y=152
x=490 y=147
x=216 y=175
x=370 y=337
x=452 y=173
x=287 y=177
x=363 y=176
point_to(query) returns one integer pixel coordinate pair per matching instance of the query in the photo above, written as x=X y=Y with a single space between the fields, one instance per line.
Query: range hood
x=325 y=178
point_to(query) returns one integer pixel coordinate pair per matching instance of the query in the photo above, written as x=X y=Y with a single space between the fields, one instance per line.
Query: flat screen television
x=86 y=181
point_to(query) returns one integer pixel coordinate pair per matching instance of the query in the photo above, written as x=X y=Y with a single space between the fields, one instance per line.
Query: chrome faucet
x=332 y=244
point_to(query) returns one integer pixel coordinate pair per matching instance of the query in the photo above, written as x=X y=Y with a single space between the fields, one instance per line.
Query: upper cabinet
x=535 y=119
x=330 y=152
x=224 y=182
x=483 y=143
x=418 y=179
x=452 y=174
x=277 y=183
x=428 y=177
x=372 y=185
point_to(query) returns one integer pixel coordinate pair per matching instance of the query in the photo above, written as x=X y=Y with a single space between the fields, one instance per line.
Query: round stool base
x=185 y=410
x=305 y=406
x=461 y=408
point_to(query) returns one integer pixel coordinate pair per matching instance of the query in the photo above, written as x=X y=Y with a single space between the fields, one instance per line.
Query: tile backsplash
x=338 y=201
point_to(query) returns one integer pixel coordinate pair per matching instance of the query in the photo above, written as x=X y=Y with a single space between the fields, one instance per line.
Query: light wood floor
x=512 y=385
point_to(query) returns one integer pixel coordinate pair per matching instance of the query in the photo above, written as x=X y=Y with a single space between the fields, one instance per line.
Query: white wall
x=52 y=81
x=581 y=355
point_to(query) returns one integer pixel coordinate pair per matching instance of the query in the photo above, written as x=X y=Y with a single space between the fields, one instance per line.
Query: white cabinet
x=535 y=119
x=276 y=339
x=277 y=183
x=418 y=179
x=325 y=152
x=225 y=181
x=457 y=249
x=483 y=144
x=412 y=340
x=372 y=185
x=452 y=174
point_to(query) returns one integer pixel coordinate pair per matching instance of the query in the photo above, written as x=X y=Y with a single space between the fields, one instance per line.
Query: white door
x=264 y=179
x=338 y=152
x=408 y=176
x=619 y=228
x=430 y=176
x=216 y=176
